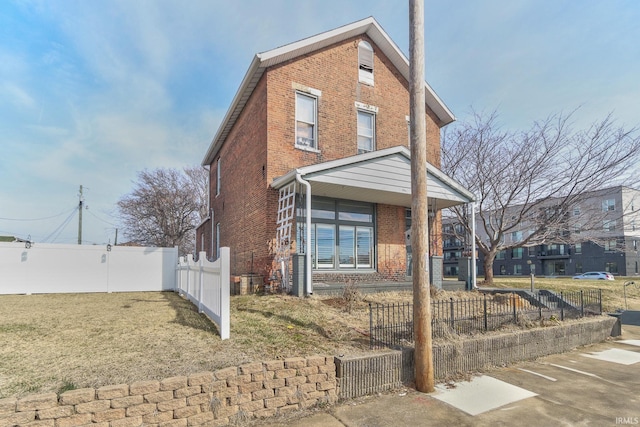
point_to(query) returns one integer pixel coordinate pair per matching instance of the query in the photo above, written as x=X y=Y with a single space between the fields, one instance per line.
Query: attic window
x=365 y=63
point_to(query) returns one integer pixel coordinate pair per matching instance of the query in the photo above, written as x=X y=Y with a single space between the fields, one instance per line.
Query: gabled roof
x=262 y=61
x=382 y=176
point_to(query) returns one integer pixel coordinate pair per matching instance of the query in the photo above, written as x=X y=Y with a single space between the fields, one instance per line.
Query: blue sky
x=93 y=91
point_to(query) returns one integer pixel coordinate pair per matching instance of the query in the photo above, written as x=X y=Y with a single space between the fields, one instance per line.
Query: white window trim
x=366 y=107
x=306 y=89
x=309 y=94
x=373 y=112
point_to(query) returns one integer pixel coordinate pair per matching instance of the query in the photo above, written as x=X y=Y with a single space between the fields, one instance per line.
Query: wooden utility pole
x=80 y=216
x=419 y=207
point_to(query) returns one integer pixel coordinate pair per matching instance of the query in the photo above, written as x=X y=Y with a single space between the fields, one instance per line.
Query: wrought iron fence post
x=561 y=305
x=370 y=327
x=452 y=314
x=513 y=301
x=600 y=299
x=581 y=304
x=486 y=325
x=385 y=321
x=394 y=319
x=539 y=306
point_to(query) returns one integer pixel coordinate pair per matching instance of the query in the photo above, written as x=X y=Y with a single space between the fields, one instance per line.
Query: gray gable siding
x=389 y=177
x=386 y=174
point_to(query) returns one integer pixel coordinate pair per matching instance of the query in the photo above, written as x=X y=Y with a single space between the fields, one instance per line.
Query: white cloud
x=17 y=95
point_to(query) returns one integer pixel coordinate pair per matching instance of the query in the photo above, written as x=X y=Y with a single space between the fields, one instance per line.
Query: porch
x=339 y=230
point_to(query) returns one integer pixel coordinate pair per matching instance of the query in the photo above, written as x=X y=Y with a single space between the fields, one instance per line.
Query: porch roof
x=382 y=176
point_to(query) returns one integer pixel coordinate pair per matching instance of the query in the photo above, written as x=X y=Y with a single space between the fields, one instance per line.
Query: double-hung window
x=306 y=121
x=366 y=131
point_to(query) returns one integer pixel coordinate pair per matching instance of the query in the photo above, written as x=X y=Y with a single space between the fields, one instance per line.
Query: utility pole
x=419 y=207
x=80 y=216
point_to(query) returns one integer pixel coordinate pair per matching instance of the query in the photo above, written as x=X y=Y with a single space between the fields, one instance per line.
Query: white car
x=595 y=275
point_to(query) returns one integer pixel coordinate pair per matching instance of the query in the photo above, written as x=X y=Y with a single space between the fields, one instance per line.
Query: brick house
x=321 y=126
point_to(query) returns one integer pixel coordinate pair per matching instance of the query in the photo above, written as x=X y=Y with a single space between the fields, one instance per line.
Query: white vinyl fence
x=55 y=268
x=206 y=284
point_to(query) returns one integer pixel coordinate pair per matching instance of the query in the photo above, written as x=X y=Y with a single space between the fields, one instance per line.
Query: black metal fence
x=391 y=325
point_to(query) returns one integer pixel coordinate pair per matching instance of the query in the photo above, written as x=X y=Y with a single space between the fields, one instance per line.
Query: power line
x=61 y=227
x=100 y=219
x=37 y=219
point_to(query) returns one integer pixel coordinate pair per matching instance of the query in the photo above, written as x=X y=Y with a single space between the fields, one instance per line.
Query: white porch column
x=474 y=268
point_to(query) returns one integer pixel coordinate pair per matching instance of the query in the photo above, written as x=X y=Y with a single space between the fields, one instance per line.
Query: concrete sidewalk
x=593 y=385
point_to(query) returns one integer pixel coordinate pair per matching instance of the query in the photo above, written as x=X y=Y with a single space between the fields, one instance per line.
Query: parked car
x=595 y=275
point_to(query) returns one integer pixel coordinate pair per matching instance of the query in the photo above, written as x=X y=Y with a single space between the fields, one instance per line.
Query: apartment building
x=600 y=231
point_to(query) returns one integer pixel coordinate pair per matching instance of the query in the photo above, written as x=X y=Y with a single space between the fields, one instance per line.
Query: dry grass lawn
x=52 y=342
x=63 y=341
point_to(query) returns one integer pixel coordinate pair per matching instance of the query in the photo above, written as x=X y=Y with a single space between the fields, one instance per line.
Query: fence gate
x=286 y=211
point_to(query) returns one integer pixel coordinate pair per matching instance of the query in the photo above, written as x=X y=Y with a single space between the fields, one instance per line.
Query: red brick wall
x=334 y=71
x=241 y=207
x=203 y=234
x=392 y=251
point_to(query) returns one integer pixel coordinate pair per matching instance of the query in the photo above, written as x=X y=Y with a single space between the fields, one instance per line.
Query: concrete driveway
x=598 y=385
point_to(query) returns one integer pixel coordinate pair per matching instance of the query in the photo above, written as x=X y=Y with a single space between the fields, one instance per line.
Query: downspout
x=209 y=207
x=474 y=268
x=307 y=247
x=213 y=225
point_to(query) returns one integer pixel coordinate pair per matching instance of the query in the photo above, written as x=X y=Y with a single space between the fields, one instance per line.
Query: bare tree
x=529 y=184
x=164 y=207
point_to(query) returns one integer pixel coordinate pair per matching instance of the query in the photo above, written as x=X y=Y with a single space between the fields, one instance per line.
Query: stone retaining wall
x=261 y=389
x=362 y=375
x=475 y=354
